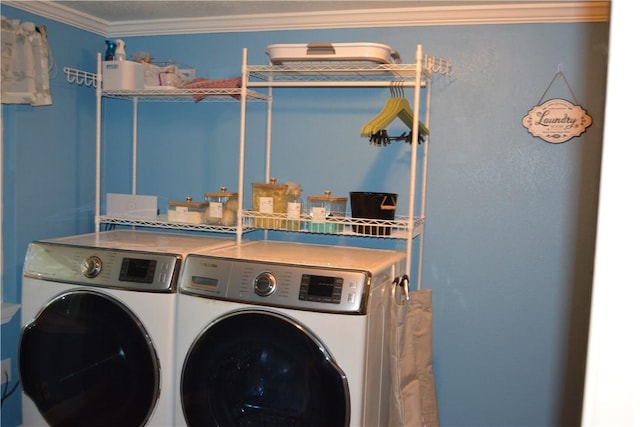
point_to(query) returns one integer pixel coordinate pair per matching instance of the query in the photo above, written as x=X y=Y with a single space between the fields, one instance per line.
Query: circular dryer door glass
x=86 y=360
x=256 y=368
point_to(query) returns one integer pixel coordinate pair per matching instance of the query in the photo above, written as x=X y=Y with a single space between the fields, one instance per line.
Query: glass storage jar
x=327 y=213
x=294 y=210
x=188 y=211
x=269 y=200
x=222 y=207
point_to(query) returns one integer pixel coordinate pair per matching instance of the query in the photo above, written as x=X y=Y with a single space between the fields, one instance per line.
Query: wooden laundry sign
x=557 y=120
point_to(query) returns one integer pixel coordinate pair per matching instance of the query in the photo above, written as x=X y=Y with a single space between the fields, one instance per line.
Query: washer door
x=259 y=368
x=86 y=360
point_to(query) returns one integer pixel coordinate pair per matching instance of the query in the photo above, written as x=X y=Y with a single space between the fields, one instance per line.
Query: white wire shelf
x=348 y=73
x=345 y=226
x=164 y=93
x=397 y=228
x=169 y=94
x=161 y=222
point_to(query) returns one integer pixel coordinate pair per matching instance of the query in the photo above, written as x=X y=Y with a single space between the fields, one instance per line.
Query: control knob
x=91 y=266
x=264 y=284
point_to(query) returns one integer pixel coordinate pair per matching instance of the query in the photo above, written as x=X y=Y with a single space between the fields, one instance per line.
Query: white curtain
x=25 y=63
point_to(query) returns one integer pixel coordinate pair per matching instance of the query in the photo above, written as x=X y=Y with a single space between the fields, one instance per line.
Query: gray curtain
x=413 y=400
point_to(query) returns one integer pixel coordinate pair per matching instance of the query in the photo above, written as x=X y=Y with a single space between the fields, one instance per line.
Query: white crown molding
x=475 y=14
x=62 y=14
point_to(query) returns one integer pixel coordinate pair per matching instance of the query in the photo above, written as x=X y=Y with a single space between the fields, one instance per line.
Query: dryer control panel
x=280 y=285
x=102 y=267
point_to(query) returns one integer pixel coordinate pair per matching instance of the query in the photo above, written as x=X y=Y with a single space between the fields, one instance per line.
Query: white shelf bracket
x=80 y=77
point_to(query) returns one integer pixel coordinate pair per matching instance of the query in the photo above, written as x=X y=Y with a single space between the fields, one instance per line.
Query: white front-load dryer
x=98 y=325
x=277 y=333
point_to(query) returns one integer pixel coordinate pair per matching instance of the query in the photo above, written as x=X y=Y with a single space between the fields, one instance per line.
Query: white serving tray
x=375 y=53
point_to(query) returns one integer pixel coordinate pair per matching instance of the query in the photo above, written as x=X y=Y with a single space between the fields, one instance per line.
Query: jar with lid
x=269 y=200
x=294 y=210
x=187 y=211
x=327 y=213
x=222 y=207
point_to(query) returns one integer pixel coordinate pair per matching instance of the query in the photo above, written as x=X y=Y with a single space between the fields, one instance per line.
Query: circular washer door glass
x=259 y=368
x=86 y=360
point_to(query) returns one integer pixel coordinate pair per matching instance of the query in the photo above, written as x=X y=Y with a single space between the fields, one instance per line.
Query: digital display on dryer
x=137 y=270
x=321 y=288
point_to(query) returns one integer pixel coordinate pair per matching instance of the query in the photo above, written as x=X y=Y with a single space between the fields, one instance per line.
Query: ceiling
x=117 y=18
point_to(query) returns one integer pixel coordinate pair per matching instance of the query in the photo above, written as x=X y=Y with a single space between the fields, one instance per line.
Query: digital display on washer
x=137 y=270
x=321 y=288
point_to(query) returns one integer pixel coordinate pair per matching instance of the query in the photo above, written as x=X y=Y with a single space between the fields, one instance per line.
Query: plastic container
x=327 y=213
x=122 y=75
x=336 y=52
x=187 y=212
x=373 y=206
x=270 y=201
x=222 y=207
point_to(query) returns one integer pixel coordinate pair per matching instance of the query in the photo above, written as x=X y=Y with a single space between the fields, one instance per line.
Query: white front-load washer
x=287 y=334
x=98 y=326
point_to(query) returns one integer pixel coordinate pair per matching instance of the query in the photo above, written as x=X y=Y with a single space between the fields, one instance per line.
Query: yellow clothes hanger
x=395 y=107
x=388 y=113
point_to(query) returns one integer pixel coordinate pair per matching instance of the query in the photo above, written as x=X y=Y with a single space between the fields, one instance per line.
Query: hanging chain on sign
x=557 y=120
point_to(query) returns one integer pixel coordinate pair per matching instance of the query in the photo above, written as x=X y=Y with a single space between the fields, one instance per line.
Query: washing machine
x=98 y=324
x=285 y=334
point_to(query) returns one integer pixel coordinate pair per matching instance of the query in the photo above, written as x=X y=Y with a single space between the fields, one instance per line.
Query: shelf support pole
x=98 y=141
x=415 y=133
x=134 y=148
x=425 y=165
x=243 y=119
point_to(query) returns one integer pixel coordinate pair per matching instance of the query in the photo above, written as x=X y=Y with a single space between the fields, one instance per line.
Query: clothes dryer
x=277 y=333
x=98 y=315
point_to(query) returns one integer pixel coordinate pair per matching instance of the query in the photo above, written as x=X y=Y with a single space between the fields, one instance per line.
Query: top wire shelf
x=168 y=94
x=164 y=93
x=337 y=71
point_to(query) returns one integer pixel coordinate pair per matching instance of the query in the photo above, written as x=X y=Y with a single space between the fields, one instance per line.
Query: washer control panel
x=289 y=286
x=102 y=267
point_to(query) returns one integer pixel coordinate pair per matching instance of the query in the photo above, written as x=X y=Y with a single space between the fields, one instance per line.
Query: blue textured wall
x=48 y=171
x=510 y=218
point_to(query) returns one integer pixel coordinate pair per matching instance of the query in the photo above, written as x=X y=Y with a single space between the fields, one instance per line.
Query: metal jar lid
x=222 y=193
x=271 y=185
x=188 y=203
x=327 y=197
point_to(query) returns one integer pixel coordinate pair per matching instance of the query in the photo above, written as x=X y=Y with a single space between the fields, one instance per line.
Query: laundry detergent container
x=373 y=206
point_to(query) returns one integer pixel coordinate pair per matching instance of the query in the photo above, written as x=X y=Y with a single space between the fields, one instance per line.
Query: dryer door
x=258 y=368
x=86 y=360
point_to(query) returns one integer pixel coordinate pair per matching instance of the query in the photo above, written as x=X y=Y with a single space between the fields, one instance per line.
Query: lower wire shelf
x=398 y=228
x=161 y=222
x=343 y=226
